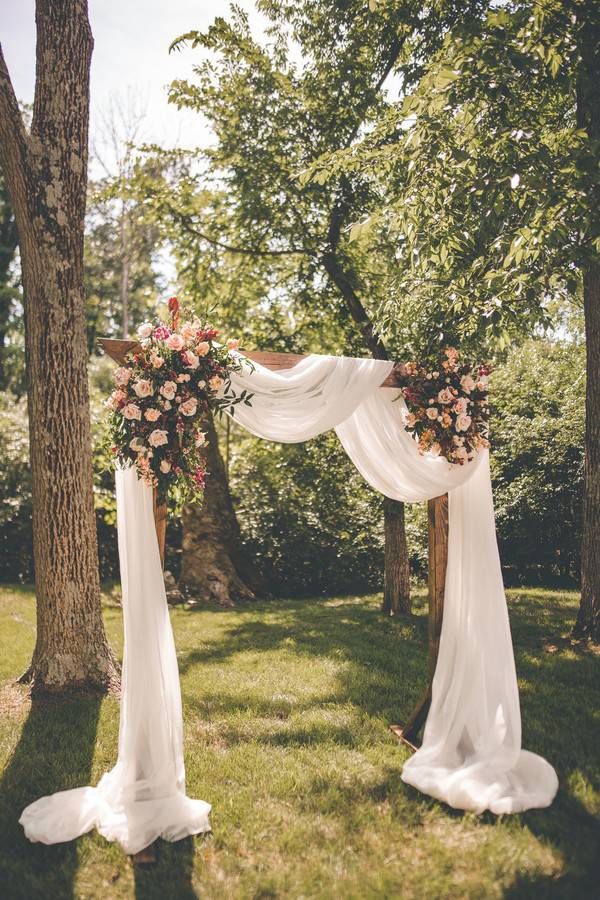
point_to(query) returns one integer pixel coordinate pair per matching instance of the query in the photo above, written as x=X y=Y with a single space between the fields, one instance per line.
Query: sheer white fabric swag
x=471 y=756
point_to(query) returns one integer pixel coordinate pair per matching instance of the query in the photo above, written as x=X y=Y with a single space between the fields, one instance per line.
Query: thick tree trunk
x=214 y=566
x=588 y=115
x=396 y=592
x=46 y=173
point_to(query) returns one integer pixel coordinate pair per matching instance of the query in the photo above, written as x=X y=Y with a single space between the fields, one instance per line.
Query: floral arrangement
x=447 y=406
x=167 y=383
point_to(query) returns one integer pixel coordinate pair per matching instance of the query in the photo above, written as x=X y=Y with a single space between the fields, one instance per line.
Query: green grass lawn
x=286 y=707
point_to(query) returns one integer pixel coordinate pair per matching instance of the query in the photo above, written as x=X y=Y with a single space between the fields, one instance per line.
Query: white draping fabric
x=471 y=756
x=143 y=797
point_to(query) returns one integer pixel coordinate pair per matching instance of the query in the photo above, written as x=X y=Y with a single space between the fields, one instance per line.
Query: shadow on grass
x=384 y=669
x=171 y=876
x=54 y=752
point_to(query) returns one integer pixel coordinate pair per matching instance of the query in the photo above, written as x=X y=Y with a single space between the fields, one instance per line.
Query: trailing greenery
x=286 y=710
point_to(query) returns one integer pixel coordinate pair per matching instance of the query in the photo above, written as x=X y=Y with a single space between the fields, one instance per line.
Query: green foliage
x=537 y=434
x=488 y=184
x=286 y=710
x=16 y=558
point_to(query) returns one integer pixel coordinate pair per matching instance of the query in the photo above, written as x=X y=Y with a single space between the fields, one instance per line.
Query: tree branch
x=186 y=222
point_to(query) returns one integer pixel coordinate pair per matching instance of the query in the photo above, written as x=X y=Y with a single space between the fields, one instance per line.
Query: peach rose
x=190 y=360
x=445 y=396
x=189 y=407
x=165 y=466
x=462 y=422
x=232 y=344
x=175 y=342
x=432 y=412
x=158 y=438
x=461 y=405
x=168 y=390
x=137 y=445
x=122 y=376
x=152 y=414
x=183 y=377
x=157 y=361
x=188 y=332
x=435 y=449
x=215 y=383
x=467 y=383
x=143 y=388
x=202 y=348
x=131 y=411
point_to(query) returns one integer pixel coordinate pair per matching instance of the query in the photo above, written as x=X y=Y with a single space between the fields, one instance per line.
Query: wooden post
x=160 y=523
x=437 y=514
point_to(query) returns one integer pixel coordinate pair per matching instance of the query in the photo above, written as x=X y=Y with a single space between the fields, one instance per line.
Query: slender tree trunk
x=125 y=267
x=396 y=591
x=46 y=173
x=588 y=115
x=214 y=565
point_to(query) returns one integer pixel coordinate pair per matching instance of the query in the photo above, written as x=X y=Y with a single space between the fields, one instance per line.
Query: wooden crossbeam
x=118 y=351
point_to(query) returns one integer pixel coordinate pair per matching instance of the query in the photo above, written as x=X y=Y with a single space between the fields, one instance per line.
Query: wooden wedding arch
x=437 y=526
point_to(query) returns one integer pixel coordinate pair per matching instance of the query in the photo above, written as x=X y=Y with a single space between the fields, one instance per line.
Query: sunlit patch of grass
x=286 y=713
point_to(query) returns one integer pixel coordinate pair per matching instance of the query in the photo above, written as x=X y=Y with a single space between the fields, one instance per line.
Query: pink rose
x=461 y=405
x=131 y=411
x=161 y=333
x=157 y=361
x=165 y=466
x=152 y=414
x=190 y=360
x=467 y=383
x=116 y=399
x=158 y=438
x=202 y=348
x=445 y=396
x=122 y=376
x=175 y=342
x=189 y=407
x=169 y=389
x=143 y=388
x=432 y=412
x=462 y=422
x=145 y=330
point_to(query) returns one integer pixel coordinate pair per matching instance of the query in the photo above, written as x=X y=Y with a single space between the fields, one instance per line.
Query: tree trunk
x=397 y=597
x=396 y=591
x=588 y=619
x=46 y=173
x=214 y=565
x=588 y=115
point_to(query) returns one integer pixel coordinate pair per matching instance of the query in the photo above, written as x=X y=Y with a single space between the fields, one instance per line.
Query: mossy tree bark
x=46 y=174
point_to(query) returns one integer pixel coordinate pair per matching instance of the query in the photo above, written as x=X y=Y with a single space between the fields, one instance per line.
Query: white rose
x=145 y=330
x=137 y=445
